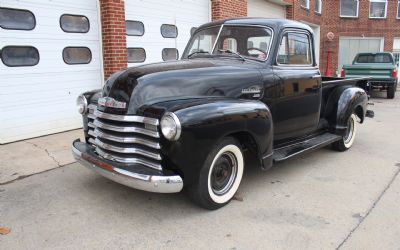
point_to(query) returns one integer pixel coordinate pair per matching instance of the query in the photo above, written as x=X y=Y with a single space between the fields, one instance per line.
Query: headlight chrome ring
x=170 y=126
x=82 y=104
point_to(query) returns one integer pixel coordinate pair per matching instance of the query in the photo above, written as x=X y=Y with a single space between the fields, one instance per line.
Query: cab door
x=296 y=111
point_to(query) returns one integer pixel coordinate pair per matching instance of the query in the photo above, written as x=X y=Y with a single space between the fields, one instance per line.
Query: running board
x=284 y=153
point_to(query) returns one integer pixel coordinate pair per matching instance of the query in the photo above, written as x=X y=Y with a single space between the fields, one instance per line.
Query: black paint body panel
x=207 y=96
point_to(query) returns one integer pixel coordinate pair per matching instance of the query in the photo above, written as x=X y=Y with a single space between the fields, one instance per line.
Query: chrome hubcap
x=224 y=173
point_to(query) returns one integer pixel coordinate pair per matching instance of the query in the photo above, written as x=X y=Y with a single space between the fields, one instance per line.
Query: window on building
x=295 y=49
x=170 y=54
x=17 y=56
x=136 y=55
x=77 y=55
x=318 y=6
x=305 y=3
x=134 y=28
x=17 y=19
x=398 y=9
x=74 y=23
x=169 y=31
x=349 y=8
x=377 y=8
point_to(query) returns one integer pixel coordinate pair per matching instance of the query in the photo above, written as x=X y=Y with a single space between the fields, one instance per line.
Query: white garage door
x=158 y=30
x=263 y=8
x=50 y=53
x=350 y=46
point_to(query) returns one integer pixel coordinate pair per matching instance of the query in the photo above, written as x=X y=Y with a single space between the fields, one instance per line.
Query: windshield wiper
x=232 y=53
x=197 y=52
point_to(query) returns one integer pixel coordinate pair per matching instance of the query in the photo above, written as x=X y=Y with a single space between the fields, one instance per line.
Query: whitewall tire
x=220 y=175
x=350 y=135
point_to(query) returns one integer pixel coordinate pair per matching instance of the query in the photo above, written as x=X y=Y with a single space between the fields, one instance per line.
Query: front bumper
x=150 y=182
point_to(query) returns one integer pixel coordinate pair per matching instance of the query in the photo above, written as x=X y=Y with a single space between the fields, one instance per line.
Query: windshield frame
x=268 y=52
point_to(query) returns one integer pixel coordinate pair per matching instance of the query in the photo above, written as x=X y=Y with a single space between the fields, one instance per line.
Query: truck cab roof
x=274 y=23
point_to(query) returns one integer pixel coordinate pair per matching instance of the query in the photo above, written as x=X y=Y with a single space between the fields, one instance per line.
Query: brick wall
x=114 y=36
x=330 y=21
x=221 y=9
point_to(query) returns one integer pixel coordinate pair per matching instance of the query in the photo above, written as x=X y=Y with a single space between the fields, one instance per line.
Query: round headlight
x=82 y=104
x=170 y=126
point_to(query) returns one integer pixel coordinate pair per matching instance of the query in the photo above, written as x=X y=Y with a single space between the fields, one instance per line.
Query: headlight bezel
x=178 y=127
x=82 y=100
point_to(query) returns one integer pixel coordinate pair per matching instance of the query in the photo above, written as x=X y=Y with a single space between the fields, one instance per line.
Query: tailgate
x=376 y=71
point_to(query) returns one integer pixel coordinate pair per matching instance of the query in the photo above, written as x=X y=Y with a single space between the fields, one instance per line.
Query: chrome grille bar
x=126 y=118
x=125 y=139
x=124 y=129
x=128 y=160
x=127 y=150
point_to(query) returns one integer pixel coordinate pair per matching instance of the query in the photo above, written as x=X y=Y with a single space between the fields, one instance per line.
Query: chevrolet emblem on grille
x=111 y=103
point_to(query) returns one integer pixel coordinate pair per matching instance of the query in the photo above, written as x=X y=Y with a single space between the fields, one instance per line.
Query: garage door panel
x=349 y=47
x=262 y=8
x=40 y=99
x=184 y=14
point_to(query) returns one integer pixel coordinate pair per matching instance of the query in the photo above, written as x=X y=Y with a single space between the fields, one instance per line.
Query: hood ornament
x=111 y=103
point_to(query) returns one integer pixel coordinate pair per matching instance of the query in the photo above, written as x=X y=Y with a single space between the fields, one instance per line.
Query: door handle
x=316 y=76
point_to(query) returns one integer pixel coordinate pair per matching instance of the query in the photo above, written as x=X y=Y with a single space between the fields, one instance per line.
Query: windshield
x=247 y=41
x=374 y=58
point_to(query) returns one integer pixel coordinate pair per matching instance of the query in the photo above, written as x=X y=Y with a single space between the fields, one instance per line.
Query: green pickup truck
x=380 y=67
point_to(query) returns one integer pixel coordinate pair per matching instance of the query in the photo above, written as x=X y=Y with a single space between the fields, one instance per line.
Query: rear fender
x=205 y=124
x=342 y=103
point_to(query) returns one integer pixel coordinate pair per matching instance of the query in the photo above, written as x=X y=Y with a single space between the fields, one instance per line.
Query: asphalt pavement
x=322 y=200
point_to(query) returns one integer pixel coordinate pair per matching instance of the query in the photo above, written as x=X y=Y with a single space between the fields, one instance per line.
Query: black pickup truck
x=244 y=88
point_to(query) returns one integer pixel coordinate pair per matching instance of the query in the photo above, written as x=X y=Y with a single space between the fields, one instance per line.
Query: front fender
x=205 y=124
x=347 y=100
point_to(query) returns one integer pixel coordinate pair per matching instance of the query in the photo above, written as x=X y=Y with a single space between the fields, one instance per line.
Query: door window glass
x=295 y=49
x=74 y=23
x=15 y=56
x=169 y=31
x=170 y=54
x=136 y=55
x=17 y=19
x=77 y=55
x=134 y=28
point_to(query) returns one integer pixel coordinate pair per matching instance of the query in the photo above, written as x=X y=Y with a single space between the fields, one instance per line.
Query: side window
x=169 y=31
x=17 y=19
x=17 y=56
x=295 y=48
x=170 y=54
x=77 y=55
x=134 y=28
x=74 y=23
x=136 y=55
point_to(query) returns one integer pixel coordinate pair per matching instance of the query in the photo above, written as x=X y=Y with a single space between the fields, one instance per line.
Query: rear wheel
x=391 y=90
x=348 y=139
x=220 y=175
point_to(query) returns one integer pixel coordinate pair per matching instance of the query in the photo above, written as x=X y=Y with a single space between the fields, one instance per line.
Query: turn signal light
x=342 y=73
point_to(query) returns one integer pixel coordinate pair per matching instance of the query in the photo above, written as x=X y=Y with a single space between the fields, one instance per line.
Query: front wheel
x=220 y=175
x=350 y=135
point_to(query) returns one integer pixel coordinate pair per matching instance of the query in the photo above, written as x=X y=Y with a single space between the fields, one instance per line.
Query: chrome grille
x=125 y=138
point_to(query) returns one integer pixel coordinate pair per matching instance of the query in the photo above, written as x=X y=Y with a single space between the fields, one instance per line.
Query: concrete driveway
x=323 y=200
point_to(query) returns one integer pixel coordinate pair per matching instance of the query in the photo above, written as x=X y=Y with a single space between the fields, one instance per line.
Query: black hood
x=167 y=81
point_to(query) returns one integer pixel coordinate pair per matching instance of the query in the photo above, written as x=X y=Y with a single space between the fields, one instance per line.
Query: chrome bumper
x=150 y=183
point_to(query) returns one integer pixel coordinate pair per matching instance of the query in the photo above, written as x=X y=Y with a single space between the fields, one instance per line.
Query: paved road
x=324 y=200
